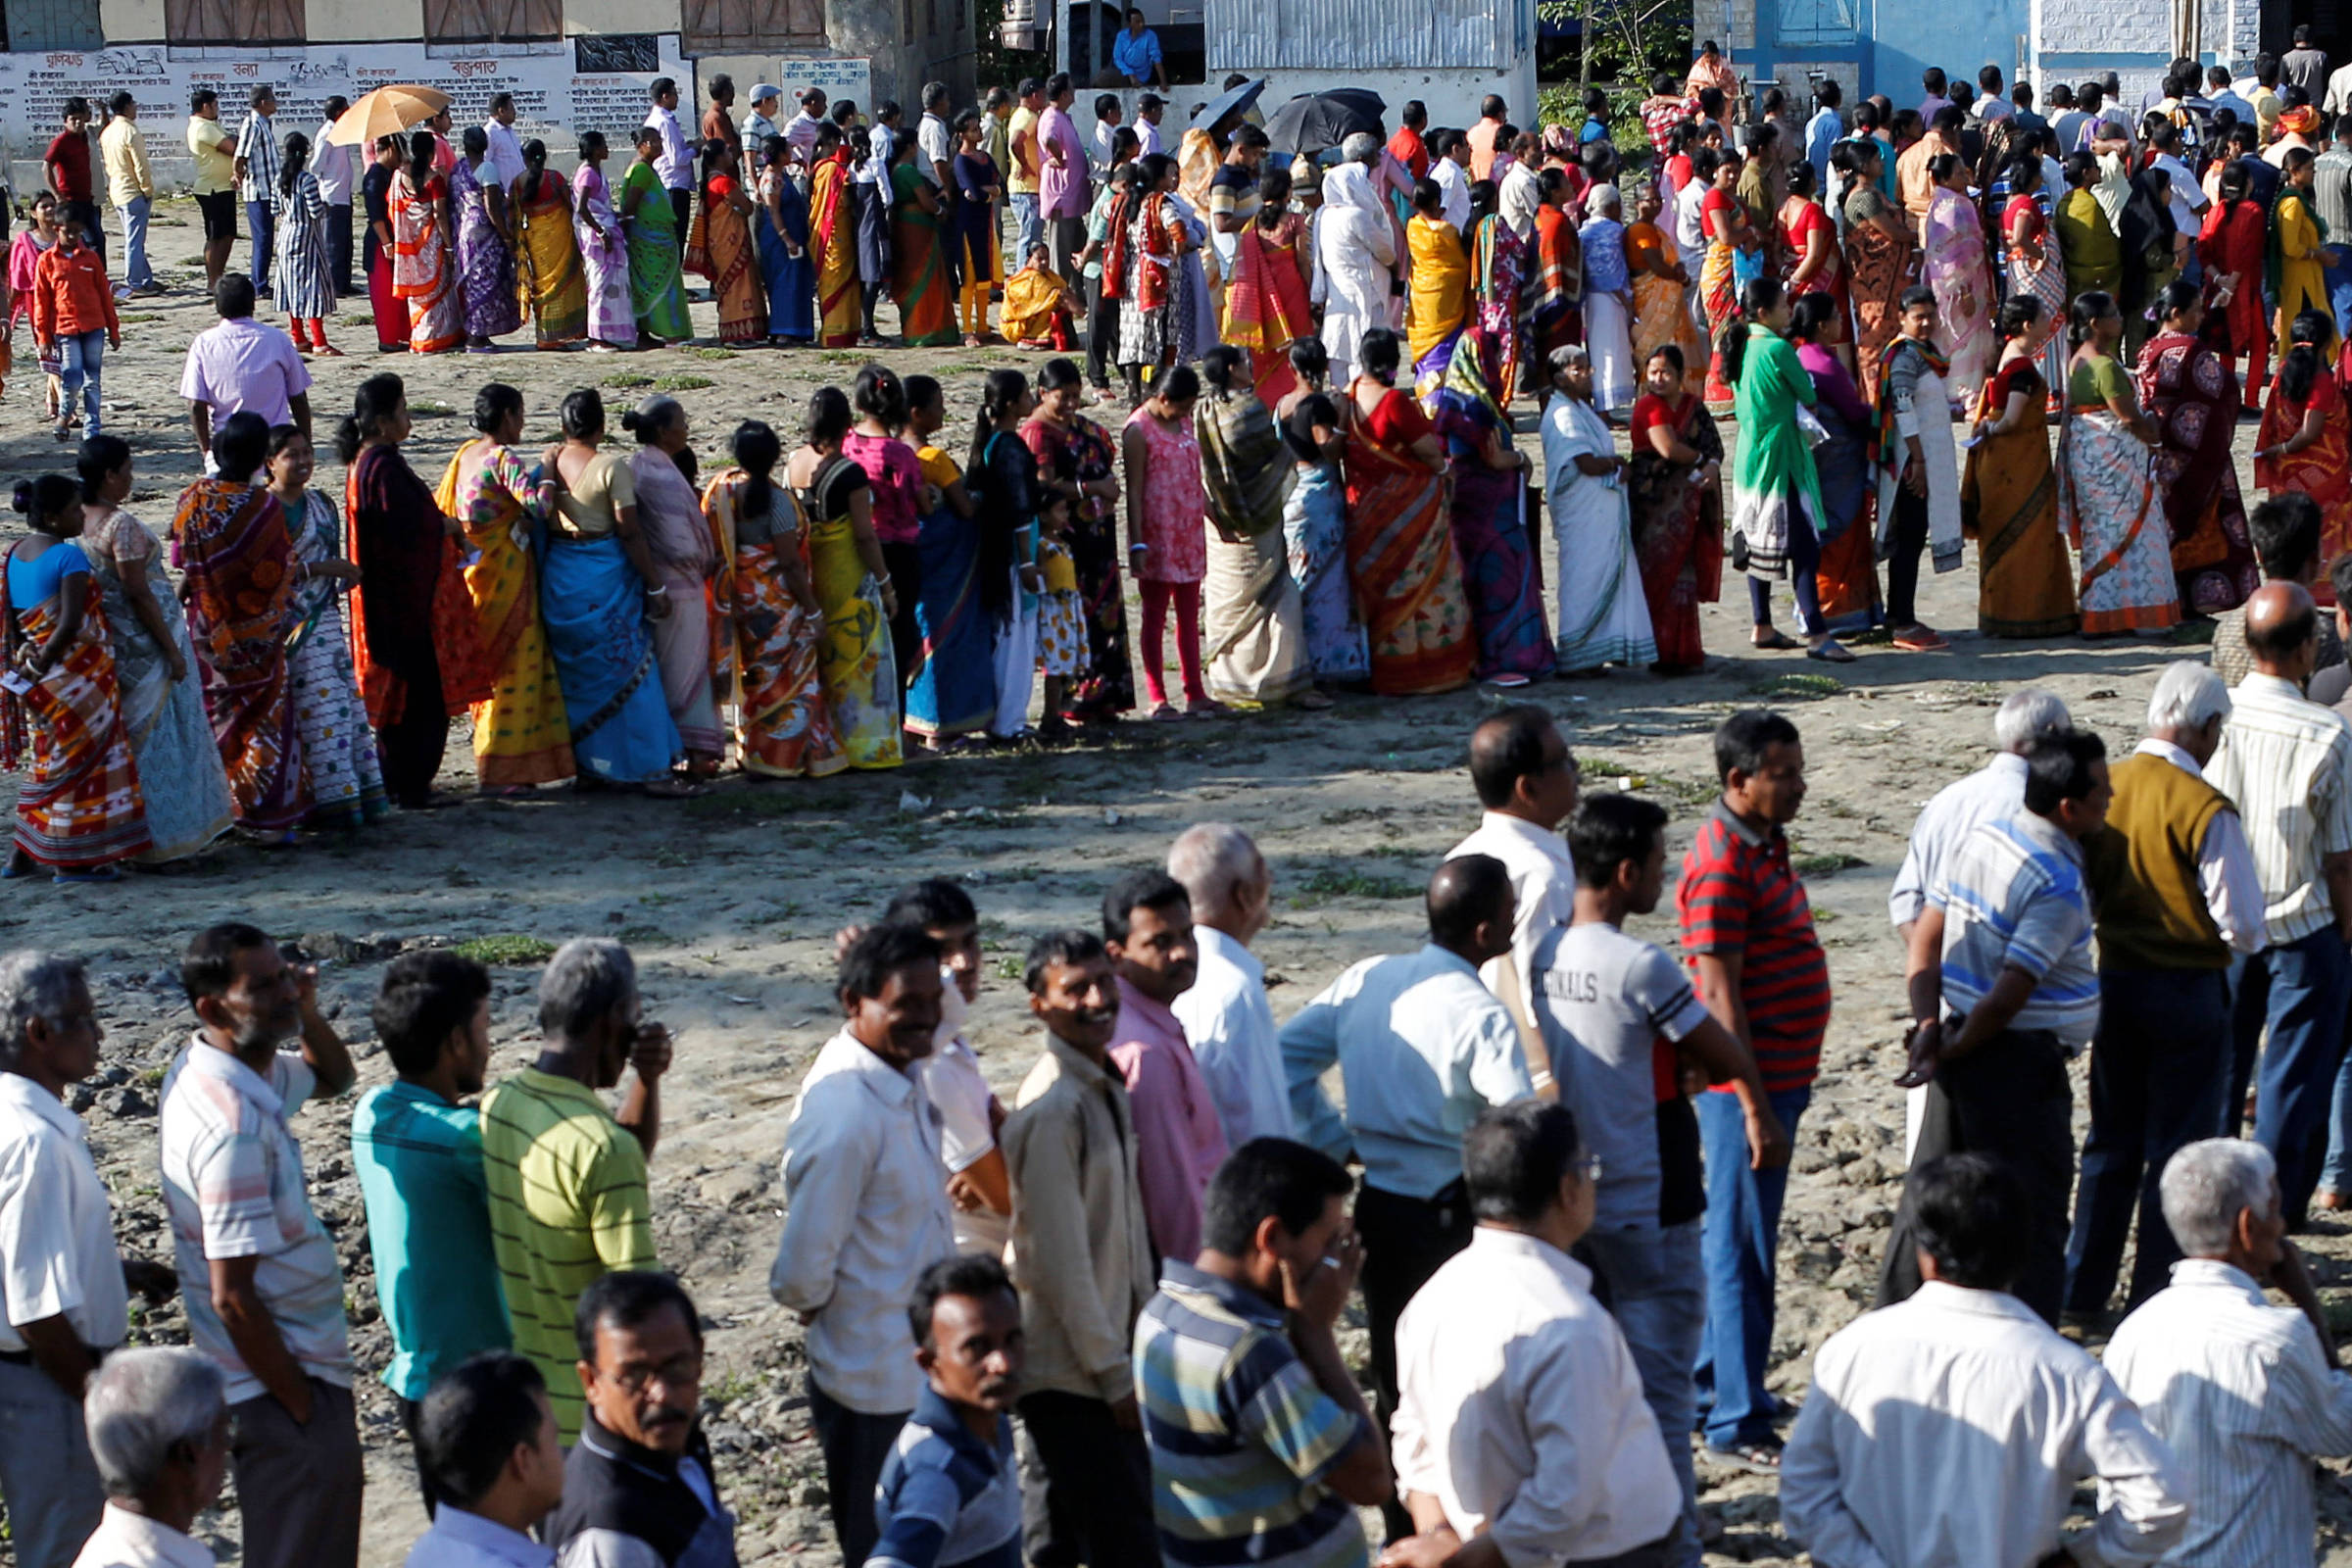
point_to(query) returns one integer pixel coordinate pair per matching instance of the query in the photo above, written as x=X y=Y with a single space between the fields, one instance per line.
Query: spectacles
x=676 y=1373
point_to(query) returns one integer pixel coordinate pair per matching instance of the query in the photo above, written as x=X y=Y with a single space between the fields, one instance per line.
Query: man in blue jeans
x=1616 y=1013
x=257 y=181
x=1747 y=931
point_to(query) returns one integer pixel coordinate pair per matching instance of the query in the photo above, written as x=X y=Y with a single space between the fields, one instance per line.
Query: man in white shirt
x=968 y=1111
x=63 y=1287
x=2177 y=896
x=675 y=162
x=936 y=141
x=506 y=148
x=1516 y=196
x=1148 y=111
x=799 y=131
x=1226 y=1015
x=1954 y=1426
x=487 y=1442
x=1520 y=1415
x=866 y=1213
x=2247 y=1394
x=336 y=163
x=159 y=1427
x=1525 y=781
x=1449 y=166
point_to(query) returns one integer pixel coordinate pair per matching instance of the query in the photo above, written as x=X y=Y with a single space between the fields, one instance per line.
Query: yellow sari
x=522 y=734
x=1441 y=291
x=1033 y=297
x=833 y=228
x=551 y=281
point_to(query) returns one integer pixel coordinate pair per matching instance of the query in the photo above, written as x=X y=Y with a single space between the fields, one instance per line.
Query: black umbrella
x=1314 y=120
x=1231 y=104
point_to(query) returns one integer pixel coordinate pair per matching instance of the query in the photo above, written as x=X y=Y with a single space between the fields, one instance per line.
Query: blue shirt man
x=950 y=1495
x=1136 y=53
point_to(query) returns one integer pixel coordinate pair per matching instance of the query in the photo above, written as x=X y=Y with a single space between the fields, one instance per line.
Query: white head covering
x=1349 y=186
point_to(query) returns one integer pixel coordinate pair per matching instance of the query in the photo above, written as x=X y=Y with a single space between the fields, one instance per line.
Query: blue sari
x=593 y=606
x=1500 y=573
x=791 y=280
x=954 y=691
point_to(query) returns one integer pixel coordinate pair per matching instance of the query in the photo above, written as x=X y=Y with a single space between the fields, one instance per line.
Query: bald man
x=2284 y=759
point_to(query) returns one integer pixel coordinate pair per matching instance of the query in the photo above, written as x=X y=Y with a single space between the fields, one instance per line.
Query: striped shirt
x=2242 y=1392
x=2013 y=897
x=233 y=1187
x=568 y=1205
x=1739 y=897
x=947 y=1500
x=2284 y=760
x=257 y=144
x=1240 y=1433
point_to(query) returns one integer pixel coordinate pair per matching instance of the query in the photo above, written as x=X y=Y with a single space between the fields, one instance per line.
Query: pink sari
x=1956 y=270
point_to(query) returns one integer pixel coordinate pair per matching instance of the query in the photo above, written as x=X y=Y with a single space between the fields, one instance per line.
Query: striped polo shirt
x=2013 y=897
x=568 y=1205
x=1740 y=895
x=946 y=1499
x=2287 y=764
x=1241 y=1433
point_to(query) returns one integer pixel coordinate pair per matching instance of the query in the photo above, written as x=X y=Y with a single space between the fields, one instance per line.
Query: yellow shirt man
x=124 y=152
x=215 y=153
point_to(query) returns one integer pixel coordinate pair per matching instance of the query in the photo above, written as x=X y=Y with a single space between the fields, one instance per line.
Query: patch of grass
x=506 y=947
x=628 y=380
x=1358 y=885
x=1009 y=968
x=966 y=368
x=1826 y=864
x=1798 y=688
x=429 y=409
x=683 y=383
x=141 y=320
x=646 y=935
x=354 y=320
x=712 y=353
x=843 y=356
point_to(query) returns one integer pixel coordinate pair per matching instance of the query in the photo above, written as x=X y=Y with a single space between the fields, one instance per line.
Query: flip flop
x=1831 y=652
x=105 y=873
x=1914 y=643
x=1778 y=642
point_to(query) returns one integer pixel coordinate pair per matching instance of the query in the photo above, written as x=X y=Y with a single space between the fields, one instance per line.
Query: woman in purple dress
x=485 y=246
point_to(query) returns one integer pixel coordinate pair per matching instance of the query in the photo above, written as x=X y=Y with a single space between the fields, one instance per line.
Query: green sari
x=918 y=274
x=654 y=292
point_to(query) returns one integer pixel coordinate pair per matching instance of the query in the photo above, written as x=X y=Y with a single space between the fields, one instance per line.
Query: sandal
x=103 y=873
x=1205 y=708
x=1761 y=1458
x=1921 y=640
x=1774 y=641
x=1166 y=713
x=1831 y=652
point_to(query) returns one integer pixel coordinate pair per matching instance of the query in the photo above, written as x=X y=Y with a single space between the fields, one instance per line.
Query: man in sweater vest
x=2174 y=883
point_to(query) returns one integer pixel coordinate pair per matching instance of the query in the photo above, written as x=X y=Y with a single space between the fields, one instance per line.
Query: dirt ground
x=730 y=901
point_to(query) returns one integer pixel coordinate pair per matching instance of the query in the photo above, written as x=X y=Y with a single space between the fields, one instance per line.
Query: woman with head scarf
x=1254 y=636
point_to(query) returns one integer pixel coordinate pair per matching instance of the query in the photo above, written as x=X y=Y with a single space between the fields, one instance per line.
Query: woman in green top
x=654 y=292
x=2094 y=258
x=1778 y=493
x=2106 y=501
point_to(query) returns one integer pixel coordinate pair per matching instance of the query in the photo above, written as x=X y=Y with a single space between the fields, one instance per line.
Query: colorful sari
x=833 y=226
x=1556 y=294
x=79 y=808
x=1878 y=268
x=1401 y=556
x=1498 y=325
x=520 y=732
x=1251 y=632
x=2321 y=470
x=1083 y=451
x=236 y=557
x=1677 y=526
x=1955 y=268
x=790 y=280
x=1266 y=305
x=763 y=640
x=422 y=269
x=656 y=297
x=612 y=316
x=485 y=267
x=549 y=262
x=720 y=249
x=918 y=274
x=1661 y=306
x=2009 y=505
x=1440 y=292
x=592 y=603
x=2044 y=280
x=2191 y=394
x=2110 y=511
x=1314 y=526
x=338 y=748
x=855 y=661
x=954 y=689
x=1502 y=572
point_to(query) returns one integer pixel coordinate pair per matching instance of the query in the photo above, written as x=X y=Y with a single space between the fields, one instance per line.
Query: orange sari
x=1401 y=556
x=79 y=808
x=2321 y=470
x=1267 y=308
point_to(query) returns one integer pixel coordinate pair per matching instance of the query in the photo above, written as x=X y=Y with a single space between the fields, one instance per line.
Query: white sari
x=1605 y=619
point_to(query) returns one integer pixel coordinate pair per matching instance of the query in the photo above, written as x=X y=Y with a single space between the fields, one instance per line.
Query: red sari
x=2191 y=394
x=1401 y=554
x=231 y=543
x=2233 y=243
x=2321 y=470
x=1555 y=293
x=80 y=806
x=1266 y=307
x=1678 y=526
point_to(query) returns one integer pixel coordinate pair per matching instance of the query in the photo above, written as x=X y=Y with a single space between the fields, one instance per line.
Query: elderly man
x=64 y=1288
x=242 y=365
x=2174 y=883
x=2284 y=760
x=1955 y=1427
x=761 y=123
x=865 y=1213
x=159 y=1428
x=2247 y=1394
x=1356 y=252
x=566 y=1177
x=486 y=1445
x=639 y=1488
x=1525 y=781
x=1226 y=1016
x=258 y=1270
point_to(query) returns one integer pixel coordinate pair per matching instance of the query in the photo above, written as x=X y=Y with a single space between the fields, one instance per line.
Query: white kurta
x=1355 y=252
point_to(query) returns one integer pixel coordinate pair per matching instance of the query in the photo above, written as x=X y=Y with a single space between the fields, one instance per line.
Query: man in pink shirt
x=1179 y=1142
x=1062 y=195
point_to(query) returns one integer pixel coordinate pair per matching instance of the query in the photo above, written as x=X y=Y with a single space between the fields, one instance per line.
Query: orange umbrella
x=387 y=112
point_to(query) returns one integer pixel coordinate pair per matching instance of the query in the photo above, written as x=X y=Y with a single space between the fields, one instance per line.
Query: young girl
x=1061 y=614
x=33 y=241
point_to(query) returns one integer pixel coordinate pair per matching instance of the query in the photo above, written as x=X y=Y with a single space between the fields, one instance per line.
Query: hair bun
x=631 y=420
x=22 y=499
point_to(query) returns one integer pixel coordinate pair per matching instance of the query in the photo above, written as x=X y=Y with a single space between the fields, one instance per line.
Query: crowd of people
x=1097 y=1325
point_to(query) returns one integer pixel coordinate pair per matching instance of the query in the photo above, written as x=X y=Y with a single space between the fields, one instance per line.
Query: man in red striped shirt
x=1747 y=931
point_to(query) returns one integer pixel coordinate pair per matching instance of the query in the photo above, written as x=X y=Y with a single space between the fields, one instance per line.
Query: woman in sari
x=1778 y=512
x=855 y=661
x=1729 y=238
x=2105 y=500
x=1608 y=304
x=160 y=692
x=1878 y=257
x=1400 y=552
x=1955 y=268
x=1076 y=455
x=547 y=252
x=786 y=270
x=522 y=734
x=485 y=245
x=2306 y=440
x=2009 y=493
x=2297 y=235
x=1760 y=191
x=1439 y=286
x=1674 y=492
x=978 y=186
x=1846 y=580
x=670 y=515
x=413 y=629
x=2035 y=268
x=1810 y=242
x=1142 y=269
x=954 y=689
x=721 y=247
x=604 y=250
x=236 y=557
x=1497 y=322
x=79 y=808
x=384 y=303
x=650 y=222
x=1253 y=634
x=2190 y=394
x=766 y=624
x=1604 y=613
x=1314 y=521
x=1661 y=285
x=1269 y=304
x=423 y=250
x=1501 y=574
x=1555 y=289
x=2231 y=248
x=338 y=748
x=833 y=234
x=918 y=272
x=1010 y=581
x=598 y=588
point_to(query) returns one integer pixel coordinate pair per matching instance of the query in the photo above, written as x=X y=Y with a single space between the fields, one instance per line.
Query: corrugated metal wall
x=1362 y=34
